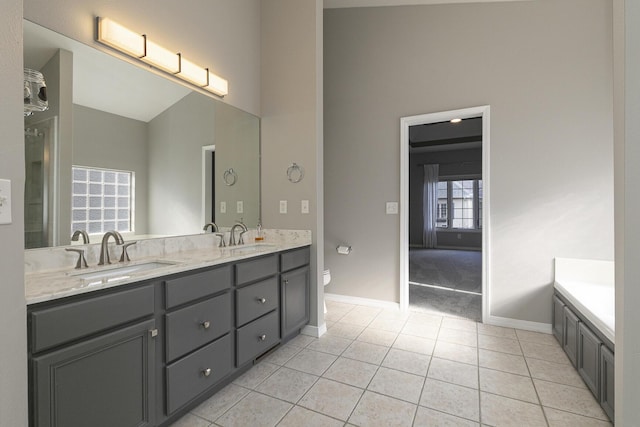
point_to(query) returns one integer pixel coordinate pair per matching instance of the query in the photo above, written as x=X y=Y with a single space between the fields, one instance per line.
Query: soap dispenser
x=259 y=234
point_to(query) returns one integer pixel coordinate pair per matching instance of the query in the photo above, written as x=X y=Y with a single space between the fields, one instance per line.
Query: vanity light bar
x=139 y=46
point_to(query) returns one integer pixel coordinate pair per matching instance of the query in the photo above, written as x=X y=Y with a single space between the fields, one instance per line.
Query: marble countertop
x=189 y=253
x=590 y=286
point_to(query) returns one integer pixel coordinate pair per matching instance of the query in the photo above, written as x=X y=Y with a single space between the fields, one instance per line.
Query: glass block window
x=102 y=200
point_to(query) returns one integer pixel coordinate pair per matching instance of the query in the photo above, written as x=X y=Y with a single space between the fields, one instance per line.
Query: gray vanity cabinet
x=589 y=358
x=607 y=385
x=570 y=335
x=294 y=287
x=558 y=318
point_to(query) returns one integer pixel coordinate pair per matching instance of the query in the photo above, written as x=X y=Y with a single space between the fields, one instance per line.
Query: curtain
x=430 y=205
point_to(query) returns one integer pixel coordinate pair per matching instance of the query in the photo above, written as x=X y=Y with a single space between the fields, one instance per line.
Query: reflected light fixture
x=455 y=120
x=139 y=46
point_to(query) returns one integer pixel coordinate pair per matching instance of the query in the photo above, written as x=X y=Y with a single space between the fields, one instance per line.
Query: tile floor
x=383 y=368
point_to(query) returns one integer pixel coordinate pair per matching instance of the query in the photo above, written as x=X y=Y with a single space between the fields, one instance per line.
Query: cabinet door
x=589 y=358
x=570 y=336
x=106 y=381
x=294 y=294
x=607 y=385
x=558 y=316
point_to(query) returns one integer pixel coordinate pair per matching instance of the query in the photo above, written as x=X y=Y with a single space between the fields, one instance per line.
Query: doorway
x=456 y=267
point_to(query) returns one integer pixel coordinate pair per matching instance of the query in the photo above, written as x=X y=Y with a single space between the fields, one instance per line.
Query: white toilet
x=326 y=275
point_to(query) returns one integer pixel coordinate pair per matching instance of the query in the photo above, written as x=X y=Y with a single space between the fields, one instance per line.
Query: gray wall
x=105 y=140
x=13 y=328
x=454 y=163
x=545 y=69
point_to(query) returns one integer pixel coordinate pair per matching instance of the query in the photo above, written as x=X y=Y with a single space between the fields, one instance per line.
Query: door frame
x=405 y=123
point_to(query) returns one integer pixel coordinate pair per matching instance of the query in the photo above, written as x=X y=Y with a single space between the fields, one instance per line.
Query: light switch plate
x=223 y=207
x=5 y=201
x=304 y=206
x=392 y=208
x=239 y=206
x=283 y=206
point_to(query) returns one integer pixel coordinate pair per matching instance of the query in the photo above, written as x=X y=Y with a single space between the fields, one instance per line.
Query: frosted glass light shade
x=162 y=58
x=217 y=85
x=119 y=37
x=192 y=72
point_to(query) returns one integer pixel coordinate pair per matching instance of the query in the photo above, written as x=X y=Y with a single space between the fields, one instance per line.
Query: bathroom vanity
x=145 y=351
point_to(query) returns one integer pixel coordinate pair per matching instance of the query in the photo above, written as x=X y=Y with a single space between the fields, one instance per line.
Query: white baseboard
x=314 y=331
x=519 y=324
x=387 y=305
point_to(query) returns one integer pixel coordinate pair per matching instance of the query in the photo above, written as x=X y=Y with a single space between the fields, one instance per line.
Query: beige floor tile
x=363 y=309
x=352 y=372
x=555 y=372
x=345 y=330
x=334 y=316
x=453 y=372
x=311 y=362
x=339 y=306
x=387 y=324
x=301 y=341
x=426 y=417
x=400 y=385
x=331 y=398
x=496 y=331
x=512 y=363
x=457 y=336
x=378 y=336
x=460 y=324
x=282 y=354
x=382 y=411
x=330 y=344
x=451 y=398
x=415 y=344
x=571 y=399
x=255 y=410
x=558 y=418
x=407 y=361
x=366 y=352
x=503 y=345
x=502 y=411
x=190 y=420
x=220 y=402
x=420 y=317
x=545 y=352
x=424 y=330
x=299 y=416
x=457 y=352
x=361 y=316
x=256 y=375
x=287 y=384
x=536 y=337
x=393 y=314
x=508 y=385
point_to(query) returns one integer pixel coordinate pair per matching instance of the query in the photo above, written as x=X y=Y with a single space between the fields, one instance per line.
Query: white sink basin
x=120 y=273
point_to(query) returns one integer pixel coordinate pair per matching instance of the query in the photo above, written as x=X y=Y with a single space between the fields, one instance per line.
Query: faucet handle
x=125 y=255
x=241 y=240
x=82 y=262
x=221 y=236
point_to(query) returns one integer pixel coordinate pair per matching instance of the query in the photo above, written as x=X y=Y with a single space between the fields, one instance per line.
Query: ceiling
x=446 y=136
x=335 y=4
x=102 y=81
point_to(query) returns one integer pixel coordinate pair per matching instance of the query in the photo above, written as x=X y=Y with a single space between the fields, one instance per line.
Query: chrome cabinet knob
x=206 y=324
x=286 y=282
x=262 y=337
x=206 y=372
x=262 y=300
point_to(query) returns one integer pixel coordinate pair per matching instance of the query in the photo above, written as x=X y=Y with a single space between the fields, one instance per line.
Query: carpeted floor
x=450 y=269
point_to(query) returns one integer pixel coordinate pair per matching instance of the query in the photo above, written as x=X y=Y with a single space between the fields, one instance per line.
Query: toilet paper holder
x=343 y=250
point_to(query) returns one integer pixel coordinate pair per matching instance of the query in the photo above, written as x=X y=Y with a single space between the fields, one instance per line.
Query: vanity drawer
x=256 y=269
x=194 y=286
x=250 y=299
x=294 y=259
x=56 y=325
x=257 y=337
x=193 y=374
x=197 y=324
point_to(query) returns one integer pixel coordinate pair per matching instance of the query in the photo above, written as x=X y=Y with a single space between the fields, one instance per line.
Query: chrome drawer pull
x=206 y=324
x=262 y=337
x=206 y=372
x=286 y=281
x=262 y=300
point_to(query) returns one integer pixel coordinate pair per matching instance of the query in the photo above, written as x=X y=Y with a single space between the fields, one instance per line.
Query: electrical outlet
x=223 y=207
x=239 y=206
x=304 y=206
x=392 y=208
x=283 y=206
x=5 y=201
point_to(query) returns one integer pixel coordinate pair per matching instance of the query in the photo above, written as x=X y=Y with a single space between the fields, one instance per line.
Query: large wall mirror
x=121 y=147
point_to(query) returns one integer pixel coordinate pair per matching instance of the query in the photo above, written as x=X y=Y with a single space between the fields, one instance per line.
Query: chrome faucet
x=104 y=246
x=214 y=227
x=232 y=237
x=77 y=234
